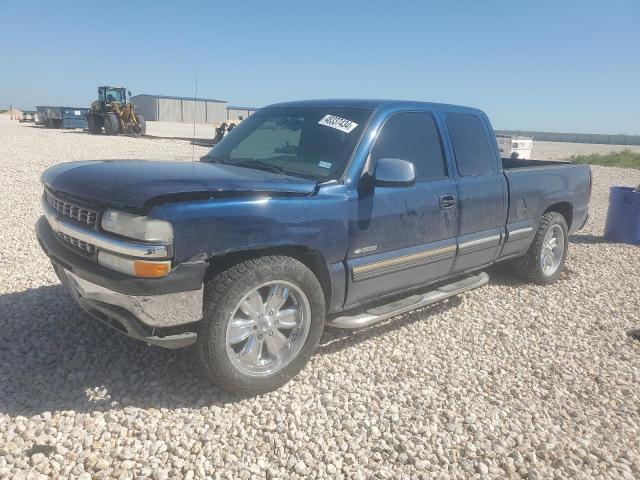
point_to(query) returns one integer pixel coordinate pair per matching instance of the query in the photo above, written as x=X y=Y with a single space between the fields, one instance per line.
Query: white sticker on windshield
x=338 y=123
x=323 y=164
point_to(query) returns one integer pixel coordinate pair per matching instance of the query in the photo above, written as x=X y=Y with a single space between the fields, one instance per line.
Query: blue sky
x=544 y=65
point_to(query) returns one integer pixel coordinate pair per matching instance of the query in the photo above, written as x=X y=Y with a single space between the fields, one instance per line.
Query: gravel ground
x=511 y=380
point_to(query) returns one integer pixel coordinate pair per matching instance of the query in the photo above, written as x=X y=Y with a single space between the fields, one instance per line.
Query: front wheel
x=543 y=262
x=141 y=127
x=111 y=124
x=262 y=321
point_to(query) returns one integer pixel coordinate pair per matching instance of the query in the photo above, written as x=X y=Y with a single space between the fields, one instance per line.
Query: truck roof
x=375 y=104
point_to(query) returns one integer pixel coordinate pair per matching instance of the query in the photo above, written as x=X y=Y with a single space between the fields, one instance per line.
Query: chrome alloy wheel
x=268 y=328
x=552 y=250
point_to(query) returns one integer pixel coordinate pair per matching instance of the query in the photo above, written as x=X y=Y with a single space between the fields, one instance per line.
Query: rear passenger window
x=414 y=137
x=473 y=154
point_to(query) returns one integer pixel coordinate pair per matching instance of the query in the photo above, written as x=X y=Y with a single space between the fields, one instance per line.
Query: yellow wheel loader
x=114 y=112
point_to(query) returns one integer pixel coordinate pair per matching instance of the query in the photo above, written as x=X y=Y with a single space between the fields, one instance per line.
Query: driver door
x=403 y=236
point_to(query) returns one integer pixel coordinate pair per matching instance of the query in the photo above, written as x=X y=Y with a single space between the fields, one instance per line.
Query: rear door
x=403 y=236
x=482 y=191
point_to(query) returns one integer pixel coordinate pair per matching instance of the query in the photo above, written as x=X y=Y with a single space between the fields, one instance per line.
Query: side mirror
x=393 y=172
x=129 y=92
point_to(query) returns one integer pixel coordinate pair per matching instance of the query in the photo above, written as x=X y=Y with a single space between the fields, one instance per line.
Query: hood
x=134 y=183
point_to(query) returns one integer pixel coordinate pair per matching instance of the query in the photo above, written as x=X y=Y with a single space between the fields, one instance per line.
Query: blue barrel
x=623 y=216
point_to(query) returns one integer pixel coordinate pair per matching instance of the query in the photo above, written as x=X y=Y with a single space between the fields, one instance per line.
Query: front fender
x=212 y=227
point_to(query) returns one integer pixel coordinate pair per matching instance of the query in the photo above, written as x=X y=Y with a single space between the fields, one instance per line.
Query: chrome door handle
x=447 y=201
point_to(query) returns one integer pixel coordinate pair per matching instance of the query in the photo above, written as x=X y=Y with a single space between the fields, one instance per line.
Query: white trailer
x=514 y=146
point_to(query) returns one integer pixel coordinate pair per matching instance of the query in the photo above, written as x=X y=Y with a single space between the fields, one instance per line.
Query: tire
x=530 y=266
x=221 y=359
x=111 y=124
x=141 y=128
x=94 y=122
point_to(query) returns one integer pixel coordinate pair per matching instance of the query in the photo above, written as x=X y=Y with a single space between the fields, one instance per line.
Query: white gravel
x=511 y=380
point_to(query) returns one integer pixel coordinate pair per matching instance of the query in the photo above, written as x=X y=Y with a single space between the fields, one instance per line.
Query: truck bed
x=514 y=163
x=535 y=184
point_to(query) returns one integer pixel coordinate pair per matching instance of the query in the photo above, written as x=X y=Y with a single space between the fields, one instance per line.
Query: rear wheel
x=94 y=123
x=111 y=124
x=262 y=321
x=141 y=128
x=545 y=259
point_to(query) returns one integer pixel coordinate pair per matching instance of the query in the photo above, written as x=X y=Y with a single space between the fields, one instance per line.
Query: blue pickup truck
x=312 y=213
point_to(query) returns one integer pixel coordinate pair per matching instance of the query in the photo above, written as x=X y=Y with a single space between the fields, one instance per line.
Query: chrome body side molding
x=519 y=233
x=480 y=243
x=396 y=264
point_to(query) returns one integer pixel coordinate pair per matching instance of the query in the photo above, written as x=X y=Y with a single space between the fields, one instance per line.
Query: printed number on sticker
x=338 y=123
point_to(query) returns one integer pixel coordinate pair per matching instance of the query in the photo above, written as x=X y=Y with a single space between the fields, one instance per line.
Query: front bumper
x=158 y=311
x=125 y=312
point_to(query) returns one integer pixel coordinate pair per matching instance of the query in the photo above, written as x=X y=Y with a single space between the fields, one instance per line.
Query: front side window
x=414 y=137
x=307 y=142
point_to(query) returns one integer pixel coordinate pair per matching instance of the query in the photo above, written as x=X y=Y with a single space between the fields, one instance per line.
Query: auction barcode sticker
x=338 y=123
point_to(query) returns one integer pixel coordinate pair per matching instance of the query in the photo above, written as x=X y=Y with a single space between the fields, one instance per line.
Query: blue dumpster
x=623 y=216
x=63 y=117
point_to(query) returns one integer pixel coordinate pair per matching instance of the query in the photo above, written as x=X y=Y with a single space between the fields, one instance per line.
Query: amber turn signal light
x=146 y=269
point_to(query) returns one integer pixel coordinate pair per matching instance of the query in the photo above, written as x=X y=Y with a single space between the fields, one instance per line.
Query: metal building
x=163 y=108
x=234 y=113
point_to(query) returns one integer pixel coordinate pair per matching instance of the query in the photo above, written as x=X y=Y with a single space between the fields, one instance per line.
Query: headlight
x=136 y=226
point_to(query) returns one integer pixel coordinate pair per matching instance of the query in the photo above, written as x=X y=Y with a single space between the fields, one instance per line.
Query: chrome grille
x=71 y=210
x=84 y=246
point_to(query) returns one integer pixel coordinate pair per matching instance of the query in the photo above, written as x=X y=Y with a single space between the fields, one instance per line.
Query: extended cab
x=342 y=212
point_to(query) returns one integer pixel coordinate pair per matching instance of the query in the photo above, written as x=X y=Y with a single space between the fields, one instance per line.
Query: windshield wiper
x=211 y=159
x=259 y=164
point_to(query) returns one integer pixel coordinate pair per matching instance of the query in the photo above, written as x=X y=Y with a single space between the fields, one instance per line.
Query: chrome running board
x=383 y=312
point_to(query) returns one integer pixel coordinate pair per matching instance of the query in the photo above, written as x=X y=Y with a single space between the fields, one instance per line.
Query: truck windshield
x=307 y=142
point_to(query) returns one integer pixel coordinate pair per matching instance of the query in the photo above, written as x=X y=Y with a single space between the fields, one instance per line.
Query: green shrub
x=624 y=159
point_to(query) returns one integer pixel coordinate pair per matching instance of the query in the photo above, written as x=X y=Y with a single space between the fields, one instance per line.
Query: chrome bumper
x=166 y=310
x=156 y=311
